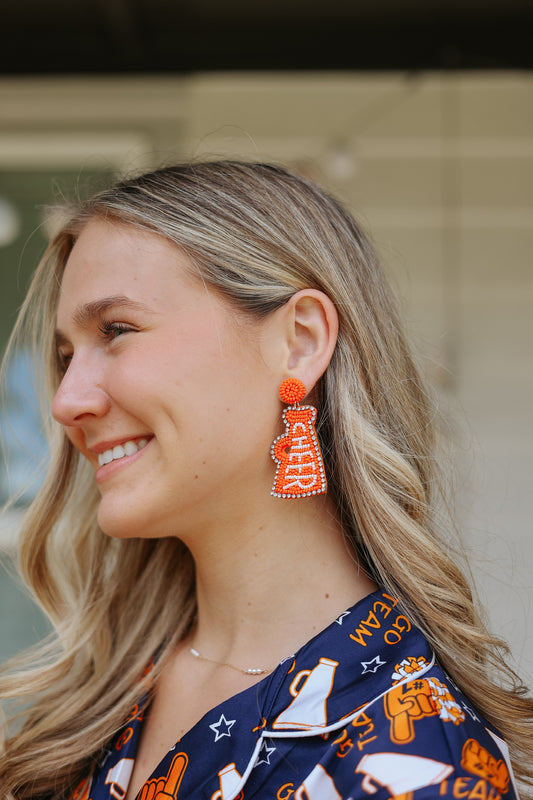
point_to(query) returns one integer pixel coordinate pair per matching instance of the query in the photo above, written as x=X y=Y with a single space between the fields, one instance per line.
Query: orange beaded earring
x=300 y=470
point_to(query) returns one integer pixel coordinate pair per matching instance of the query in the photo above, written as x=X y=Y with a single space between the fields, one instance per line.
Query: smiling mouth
x=121 y=451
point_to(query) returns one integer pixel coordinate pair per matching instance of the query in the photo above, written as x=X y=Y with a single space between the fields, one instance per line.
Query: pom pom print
x=292 y=391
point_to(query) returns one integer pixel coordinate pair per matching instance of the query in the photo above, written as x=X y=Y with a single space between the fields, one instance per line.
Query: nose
x=80 y=396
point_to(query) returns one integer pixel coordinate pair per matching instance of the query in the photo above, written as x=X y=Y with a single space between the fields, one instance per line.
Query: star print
x=222 y=727
x=372 y=666
x=264 y=753
x=340 y=619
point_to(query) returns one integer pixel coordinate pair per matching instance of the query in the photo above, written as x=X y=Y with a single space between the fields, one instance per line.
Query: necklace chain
x=250 y=671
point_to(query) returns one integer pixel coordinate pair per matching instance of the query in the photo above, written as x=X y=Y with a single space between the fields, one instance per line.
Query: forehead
x=111 y=259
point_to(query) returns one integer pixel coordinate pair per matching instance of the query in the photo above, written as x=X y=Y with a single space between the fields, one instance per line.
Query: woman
x=256 y=619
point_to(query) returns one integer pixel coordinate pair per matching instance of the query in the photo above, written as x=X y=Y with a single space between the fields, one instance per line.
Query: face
x=167 y=390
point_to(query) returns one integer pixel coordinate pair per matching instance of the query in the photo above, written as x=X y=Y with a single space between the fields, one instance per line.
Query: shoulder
x=420 y=739
x=422 y=736
x=366 y=710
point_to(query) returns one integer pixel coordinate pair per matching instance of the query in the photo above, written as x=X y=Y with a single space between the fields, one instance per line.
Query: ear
x=311 y=326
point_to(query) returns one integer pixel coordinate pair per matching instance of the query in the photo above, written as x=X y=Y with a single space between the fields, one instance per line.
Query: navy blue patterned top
x=363 y=710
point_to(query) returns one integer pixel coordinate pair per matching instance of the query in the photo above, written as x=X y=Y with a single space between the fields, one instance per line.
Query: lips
x=119 y=451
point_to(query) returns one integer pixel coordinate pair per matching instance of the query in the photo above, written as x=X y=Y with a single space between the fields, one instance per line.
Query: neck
x=265 y=588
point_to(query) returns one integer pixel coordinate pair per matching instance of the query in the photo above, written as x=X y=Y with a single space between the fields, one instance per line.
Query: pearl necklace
x=250 y=671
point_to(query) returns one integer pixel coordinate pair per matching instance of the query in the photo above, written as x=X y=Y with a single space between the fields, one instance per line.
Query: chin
x=120 y=525
x=121 y=520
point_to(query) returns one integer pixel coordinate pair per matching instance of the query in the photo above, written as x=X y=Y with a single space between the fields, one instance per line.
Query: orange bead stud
x=292 y=391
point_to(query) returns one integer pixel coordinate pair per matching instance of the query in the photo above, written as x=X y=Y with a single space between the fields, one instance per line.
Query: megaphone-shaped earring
x=300 y=470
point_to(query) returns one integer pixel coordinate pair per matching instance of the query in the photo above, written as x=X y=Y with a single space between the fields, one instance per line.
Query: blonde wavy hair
x=257 y=233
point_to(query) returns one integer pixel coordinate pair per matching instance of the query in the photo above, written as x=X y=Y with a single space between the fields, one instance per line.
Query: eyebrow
x=87 y=313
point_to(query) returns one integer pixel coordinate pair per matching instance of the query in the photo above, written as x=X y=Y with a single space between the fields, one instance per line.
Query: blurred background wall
x=436 y=161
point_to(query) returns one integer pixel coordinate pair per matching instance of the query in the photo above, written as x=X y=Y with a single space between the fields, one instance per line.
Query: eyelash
x=111 y=330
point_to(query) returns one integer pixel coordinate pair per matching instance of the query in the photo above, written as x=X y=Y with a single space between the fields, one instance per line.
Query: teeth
x=120 y=450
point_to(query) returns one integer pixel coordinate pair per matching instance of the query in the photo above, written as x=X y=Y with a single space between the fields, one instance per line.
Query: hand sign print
x=166 y=788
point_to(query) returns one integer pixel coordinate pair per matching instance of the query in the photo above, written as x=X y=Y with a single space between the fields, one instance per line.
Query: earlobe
x=312 y=329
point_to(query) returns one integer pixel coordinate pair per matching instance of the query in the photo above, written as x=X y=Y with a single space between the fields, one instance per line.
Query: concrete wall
x=440 y=168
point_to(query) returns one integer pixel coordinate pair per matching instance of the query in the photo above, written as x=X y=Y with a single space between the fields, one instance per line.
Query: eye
x=112 y=330
x=63 y=361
